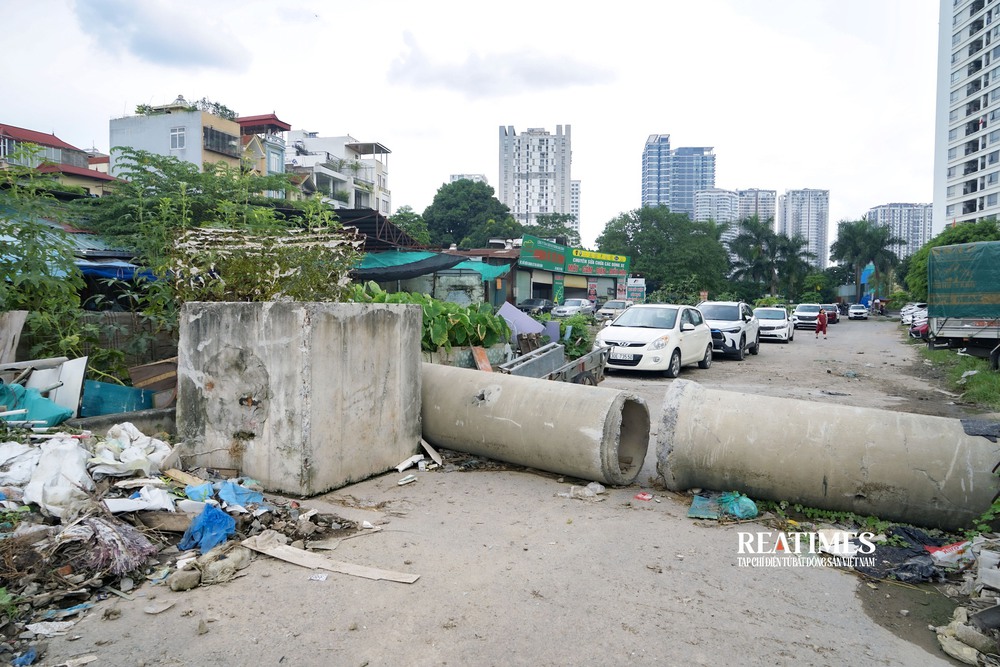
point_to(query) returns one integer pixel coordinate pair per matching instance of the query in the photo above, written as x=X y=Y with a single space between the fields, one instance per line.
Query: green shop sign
x=538 y=253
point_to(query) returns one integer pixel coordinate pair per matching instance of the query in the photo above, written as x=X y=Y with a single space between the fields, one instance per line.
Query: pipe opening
x=633 y=439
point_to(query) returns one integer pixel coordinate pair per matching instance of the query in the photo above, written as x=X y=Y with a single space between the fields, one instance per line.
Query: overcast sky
x=829 y=94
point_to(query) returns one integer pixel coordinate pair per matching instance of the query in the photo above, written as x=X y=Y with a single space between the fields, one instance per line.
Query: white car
x=573 y=307
x=805 y=315
x=911 y=311
x=612 y=309
x=858 y=311
x=775 y=324
x=735 y=330
x=657 y=337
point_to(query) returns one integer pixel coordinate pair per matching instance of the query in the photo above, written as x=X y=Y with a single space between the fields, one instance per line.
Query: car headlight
x=731 y=330
x=659 y=343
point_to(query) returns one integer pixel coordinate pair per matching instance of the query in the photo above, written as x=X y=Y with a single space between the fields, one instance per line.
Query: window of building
x=6 y=146
x=991 y=200
x=176 y=138
x=274 y=163
x=993 y=178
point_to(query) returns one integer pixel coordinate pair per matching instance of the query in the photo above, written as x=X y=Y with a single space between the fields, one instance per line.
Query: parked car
x=536 y=306
x=920 y=329
x=612 y=309
x=832 y=313
x=805 y=314
x=735 y=330
x=657 y=337
x=858 y=311
x=775 y=324
x=919 y=311
x=573 y=307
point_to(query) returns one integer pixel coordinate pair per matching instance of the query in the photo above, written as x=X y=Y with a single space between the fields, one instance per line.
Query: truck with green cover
x=963 y=298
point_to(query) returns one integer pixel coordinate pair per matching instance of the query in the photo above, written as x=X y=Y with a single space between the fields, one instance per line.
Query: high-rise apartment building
x=720 y=206
x=475 y=178
x=535 y=175
x=806 y=213
x=670 y=177
x=967 y=137
x=760 y=203
x=906 y=221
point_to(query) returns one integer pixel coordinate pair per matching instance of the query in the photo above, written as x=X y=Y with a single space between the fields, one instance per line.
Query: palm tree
x=852 y=248
x=864 y=242
x=753 y=248
x=794 y=262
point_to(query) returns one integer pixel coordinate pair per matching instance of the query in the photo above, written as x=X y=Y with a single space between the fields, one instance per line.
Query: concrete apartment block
x=303 y=397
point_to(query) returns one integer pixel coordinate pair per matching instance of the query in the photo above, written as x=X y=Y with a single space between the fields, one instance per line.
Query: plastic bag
x=200 y=492
x=234 y=494
x=210 y=528
x=737 y=505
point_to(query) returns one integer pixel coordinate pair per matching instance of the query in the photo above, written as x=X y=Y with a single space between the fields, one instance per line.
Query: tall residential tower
x=670 y=177
x=806 y=213
x=967 y=136
x=906 y=221
x=535 y=173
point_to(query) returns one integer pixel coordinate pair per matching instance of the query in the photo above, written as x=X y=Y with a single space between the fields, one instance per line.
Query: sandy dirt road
x=511 y=573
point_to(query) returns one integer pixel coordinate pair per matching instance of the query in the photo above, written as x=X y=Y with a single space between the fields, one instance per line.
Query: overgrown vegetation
x=445 y=324
x=969 y=375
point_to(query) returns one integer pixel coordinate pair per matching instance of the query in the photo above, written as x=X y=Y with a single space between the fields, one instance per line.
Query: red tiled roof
x=49 y=168
x=40 y=138
x=268 y=119
x=99 y=159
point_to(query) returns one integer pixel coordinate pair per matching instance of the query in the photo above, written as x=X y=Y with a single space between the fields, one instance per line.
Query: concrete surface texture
x=589 y=432
x=917 y=469
x=303 y=397
x=511 y=573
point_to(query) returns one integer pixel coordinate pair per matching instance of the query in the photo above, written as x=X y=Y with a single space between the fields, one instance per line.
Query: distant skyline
x=831 y=94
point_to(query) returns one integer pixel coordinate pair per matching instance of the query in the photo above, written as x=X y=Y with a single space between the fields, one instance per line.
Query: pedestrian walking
x=821 y=324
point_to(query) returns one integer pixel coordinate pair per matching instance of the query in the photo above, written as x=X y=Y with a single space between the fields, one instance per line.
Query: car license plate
x=621 y=356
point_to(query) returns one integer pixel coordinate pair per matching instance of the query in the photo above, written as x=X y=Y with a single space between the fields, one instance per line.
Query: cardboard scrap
x=431 y=452
x=268 y=543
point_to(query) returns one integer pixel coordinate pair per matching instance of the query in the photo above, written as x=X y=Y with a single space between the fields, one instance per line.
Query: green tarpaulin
x=963 y=280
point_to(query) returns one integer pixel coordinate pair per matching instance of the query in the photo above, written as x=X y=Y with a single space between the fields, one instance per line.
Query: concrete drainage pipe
x=895 y=465
x=586 y=432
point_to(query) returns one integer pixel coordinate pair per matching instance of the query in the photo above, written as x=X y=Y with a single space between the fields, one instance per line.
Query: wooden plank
x=170 y=522
x=157 y=376
x=295 y=556
x=183 y=477
x=482 y=361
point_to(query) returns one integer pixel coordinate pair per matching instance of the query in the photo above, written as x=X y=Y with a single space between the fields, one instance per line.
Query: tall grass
x=981 y=388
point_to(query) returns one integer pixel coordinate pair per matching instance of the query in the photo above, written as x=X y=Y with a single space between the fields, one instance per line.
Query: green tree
x=768 y=260
x=459 y=208
x=860 y=242
x=555 y=225
x=505 y=228
x=965 y=232
x=668 y=248
x=412 y=223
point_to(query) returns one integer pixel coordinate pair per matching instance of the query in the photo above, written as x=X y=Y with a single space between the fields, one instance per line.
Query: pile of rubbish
x=85 y=518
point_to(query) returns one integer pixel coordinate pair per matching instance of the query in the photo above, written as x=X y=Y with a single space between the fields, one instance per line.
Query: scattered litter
x=849 y=374
x=210 y=528
x=234 y=494
x=318 y=577
x=956 y=556
x=731 y=504
x=55 y=614
x=589 y=492
x=643 y=496
x=431 y=452
x=272 y=544
x=833 y=393
x=407 y=480
x=159 y=607
x=50 y=628
x=409 y=463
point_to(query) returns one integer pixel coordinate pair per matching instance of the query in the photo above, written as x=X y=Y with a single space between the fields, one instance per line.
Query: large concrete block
x=304 y=397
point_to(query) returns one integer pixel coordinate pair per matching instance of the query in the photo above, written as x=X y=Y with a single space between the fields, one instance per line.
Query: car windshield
x=808 y=308
x=829 y=306
x=575 y=302
x=615 y=304
x=652 y=318
x=532 y=302
x=716 y=311
x=769 y=313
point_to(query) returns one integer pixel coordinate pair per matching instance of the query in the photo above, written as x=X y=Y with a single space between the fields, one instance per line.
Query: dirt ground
x=511 y=573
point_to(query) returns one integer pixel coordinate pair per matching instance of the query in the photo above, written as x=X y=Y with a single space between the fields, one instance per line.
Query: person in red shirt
x=821 y=324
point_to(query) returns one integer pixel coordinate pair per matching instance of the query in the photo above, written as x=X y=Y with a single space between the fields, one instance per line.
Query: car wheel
x=675 y=365
x=706 y=361
x=756 y=346
x=791 y=337
x=741 y=351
